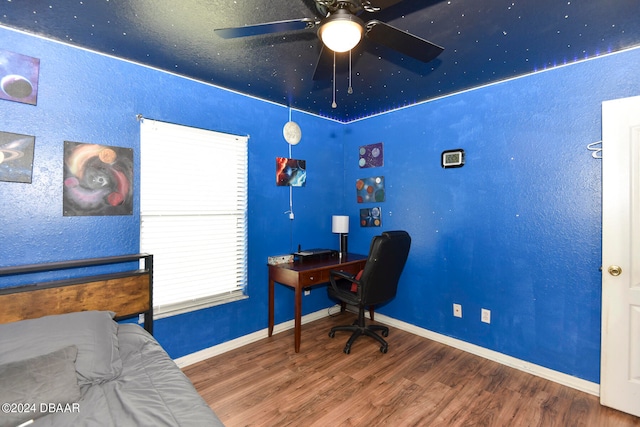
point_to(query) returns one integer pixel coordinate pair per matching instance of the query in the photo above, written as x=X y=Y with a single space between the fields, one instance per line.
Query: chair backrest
x=387 y=256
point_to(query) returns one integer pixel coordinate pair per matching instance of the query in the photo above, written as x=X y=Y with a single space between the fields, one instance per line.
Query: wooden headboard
x=127 y=293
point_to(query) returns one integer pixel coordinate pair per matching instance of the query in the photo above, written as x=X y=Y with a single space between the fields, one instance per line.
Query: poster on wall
x=370 y=217
x=370 y=189
x=291 y=172
x=19 y=77
x=16 y=157
x=371 y=156
x=98 y=180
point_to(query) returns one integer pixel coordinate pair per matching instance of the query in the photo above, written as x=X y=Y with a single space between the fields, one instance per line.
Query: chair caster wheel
x=385 y=333
x=347 y=350
x=332 y=334
x=384 y=349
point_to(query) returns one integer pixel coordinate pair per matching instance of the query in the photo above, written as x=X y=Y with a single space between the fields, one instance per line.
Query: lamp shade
x=340 y=224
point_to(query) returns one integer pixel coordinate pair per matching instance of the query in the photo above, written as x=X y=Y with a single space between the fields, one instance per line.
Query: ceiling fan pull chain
x=350 y=89
x=333 y=104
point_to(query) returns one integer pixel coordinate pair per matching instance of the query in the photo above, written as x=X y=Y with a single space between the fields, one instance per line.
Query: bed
x=68 y=357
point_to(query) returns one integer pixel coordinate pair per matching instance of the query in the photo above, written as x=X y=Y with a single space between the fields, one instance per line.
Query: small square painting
x=370 y=189
x=370 y=217
x=371 y=156
x=16 y=157
x=19 y=77
x=291 y=172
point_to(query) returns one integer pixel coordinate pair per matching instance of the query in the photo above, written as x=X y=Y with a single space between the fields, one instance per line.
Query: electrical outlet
x=485 y=315
x=307 y=292
x=457 y=310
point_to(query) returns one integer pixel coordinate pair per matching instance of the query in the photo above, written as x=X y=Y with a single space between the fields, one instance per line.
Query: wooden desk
x=304 y=274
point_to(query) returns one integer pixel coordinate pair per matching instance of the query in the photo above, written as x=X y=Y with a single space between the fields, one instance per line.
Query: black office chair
x=377 y=284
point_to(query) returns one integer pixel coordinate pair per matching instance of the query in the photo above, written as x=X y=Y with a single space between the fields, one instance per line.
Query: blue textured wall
x=85 y=97
x=516 y=230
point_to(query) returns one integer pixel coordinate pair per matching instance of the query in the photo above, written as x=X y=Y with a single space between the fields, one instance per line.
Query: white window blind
x=193 y=206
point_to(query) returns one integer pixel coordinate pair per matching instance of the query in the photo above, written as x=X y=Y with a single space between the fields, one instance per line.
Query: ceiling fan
x=341 y=30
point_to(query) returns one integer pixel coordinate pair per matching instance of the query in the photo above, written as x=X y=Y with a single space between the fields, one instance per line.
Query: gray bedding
x=148 y=390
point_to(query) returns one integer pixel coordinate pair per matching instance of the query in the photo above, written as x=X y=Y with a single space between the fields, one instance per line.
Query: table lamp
x=340 y=225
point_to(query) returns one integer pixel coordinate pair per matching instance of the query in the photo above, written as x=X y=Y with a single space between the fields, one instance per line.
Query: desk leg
x=271 y=298
x=298 y=316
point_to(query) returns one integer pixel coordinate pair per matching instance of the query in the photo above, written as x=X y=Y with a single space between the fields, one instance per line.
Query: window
x=193 y=207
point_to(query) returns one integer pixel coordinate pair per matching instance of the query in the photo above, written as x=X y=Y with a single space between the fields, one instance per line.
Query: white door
x=620 y=353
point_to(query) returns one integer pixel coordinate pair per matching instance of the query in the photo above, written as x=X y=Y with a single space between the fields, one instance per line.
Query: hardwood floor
x=417 y=383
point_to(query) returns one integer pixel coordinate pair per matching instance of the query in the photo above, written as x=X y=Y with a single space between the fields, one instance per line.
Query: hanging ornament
x=292 y=133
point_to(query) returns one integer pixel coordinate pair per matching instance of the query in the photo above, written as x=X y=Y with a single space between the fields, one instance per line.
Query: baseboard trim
x=207 y=353
x=531 y=368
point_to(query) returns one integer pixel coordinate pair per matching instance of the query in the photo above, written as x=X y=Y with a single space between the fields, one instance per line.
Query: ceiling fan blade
x=402 y=41
x=266 y=28
x=324 y=66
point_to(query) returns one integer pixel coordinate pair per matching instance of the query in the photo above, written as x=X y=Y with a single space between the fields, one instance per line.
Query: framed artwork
x=19 y=77
x=98 y=180
x=291 y=172
x=16 y=157
x=370 y=217
x=370 y=190
x=371 y=156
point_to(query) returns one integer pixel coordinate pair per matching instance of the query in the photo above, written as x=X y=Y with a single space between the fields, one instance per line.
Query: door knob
x=615 y=270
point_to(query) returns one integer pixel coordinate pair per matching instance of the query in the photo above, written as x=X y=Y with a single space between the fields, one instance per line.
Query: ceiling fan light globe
x=341 y=32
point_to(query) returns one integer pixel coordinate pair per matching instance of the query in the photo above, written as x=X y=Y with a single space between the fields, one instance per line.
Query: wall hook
x=596 y=152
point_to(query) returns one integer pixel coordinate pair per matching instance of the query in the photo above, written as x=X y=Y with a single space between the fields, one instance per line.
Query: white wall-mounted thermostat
x=452 y=158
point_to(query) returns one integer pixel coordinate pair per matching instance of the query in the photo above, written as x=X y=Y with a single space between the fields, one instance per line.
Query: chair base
x=343 y=308
x=357 y=330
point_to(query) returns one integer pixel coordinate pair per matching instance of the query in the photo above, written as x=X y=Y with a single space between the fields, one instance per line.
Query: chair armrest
x=335 y=274
x=342 y=275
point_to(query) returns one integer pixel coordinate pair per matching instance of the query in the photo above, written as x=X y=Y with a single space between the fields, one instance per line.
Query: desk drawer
x=314 y=277
x=321 y=275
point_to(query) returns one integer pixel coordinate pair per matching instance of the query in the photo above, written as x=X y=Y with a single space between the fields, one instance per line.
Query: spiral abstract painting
x=98 y=180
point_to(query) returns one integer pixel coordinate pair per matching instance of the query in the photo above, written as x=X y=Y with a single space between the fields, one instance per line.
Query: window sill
x=189 y=306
